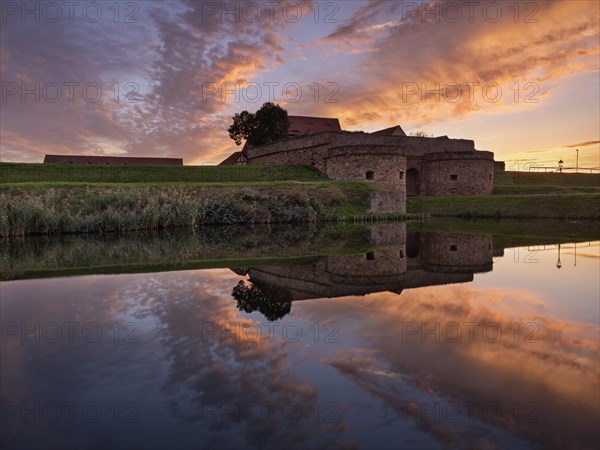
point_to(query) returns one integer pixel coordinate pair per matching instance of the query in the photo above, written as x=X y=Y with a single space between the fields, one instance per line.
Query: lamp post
x=558 y=263
x=560 y=168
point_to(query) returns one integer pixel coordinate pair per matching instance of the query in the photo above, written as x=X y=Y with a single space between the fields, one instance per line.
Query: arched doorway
x=412 y=182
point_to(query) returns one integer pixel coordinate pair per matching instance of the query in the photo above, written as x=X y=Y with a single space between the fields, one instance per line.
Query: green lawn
x=33 y=208
x=539 y=183
x=574 y=206
x=62 y=198
x=522 y=195
x=109 y=173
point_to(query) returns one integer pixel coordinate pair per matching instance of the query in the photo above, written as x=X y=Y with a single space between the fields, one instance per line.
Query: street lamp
x=560 y=165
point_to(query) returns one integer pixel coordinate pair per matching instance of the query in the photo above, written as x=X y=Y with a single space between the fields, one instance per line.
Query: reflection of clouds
x=194 y=375
x=582 y=255
x=214 y=362
x=559 y=372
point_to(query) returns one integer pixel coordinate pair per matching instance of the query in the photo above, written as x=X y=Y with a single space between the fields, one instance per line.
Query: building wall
x=445 y=166
x=408 y=145
x=387 y=201
x=383 y=166
x=461 y=173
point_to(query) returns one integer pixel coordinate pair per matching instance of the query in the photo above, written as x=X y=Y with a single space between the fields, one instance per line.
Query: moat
x=421 y=335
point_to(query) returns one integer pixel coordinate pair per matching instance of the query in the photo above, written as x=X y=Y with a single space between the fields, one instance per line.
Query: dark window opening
x=453 y=247
x=401 y=176
x=412 y=182
x=453 y=177
x=490 y=177
x=370 y=175
x=401 y=254
x=370 y=256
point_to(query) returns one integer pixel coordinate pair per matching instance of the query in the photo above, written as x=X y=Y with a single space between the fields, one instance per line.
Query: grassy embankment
x=522 y=195
x=52 y=199
x=47 y=199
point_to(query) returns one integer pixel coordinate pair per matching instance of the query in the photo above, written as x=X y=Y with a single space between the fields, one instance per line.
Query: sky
x=164 y=78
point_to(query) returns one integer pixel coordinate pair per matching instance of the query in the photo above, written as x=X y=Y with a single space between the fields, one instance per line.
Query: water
x=353 y=337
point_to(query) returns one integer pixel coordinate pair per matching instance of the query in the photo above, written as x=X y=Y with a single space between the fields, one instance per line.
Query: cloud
x=164 y=60
x=418 y=53
x=582 y=144
x=391 y=63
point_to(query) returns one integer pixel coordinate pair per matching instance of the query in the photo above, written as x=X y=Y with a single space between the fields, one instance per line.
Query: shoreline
x=69 y=199
x=85 y=208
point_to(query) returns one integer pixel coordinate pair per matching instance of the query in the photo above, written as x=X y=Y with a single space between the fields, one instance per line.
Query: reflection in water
x=274 y=303
x=408 y=340
x=398 y=260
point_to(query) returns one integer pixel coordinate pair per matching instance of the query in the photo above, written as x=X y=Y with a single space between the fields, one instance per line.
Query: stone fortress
x=400 y=165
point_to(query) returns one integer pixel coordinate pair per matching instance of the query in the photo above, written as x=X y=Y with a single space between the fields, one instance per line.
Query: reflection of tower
x=575 y=255
x=558 y=263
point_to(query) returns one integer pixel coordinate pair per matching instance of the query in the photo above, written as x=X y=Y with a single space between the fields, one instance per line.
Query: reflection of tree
x=273 y=302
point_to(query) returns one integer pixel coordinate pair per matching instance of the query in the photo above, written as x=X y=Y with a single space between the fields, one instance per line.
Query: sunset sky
x=519 y=78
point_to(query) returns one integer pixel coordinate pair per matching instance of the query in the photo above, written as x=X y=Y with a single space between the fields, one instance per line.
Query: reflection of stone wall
x=383 y=264
x=439 y=258
x=451 y=252
x=386 y=261
x=388 y=234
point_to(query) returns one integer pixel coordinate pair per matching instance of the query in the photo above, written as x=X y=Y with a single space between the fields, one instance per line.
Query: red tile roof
x=392 y=131
x=233 y=159
x=309 y=125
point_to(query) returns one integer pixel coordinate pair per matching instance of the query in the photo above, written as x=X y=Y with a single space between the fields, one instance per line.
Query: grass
x=63 y=198
x=59 y=198
x=540 y=183
x=89 y=208
x=575 y=206
x=522 y=195
x=112 y=173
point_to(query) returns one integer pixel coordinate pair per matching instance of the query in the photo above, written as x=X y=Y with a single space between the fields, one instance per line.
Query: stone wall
x=387 y=201
x=408 y=145
x=461 y=173
x=445 y=166
x=383 y=166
